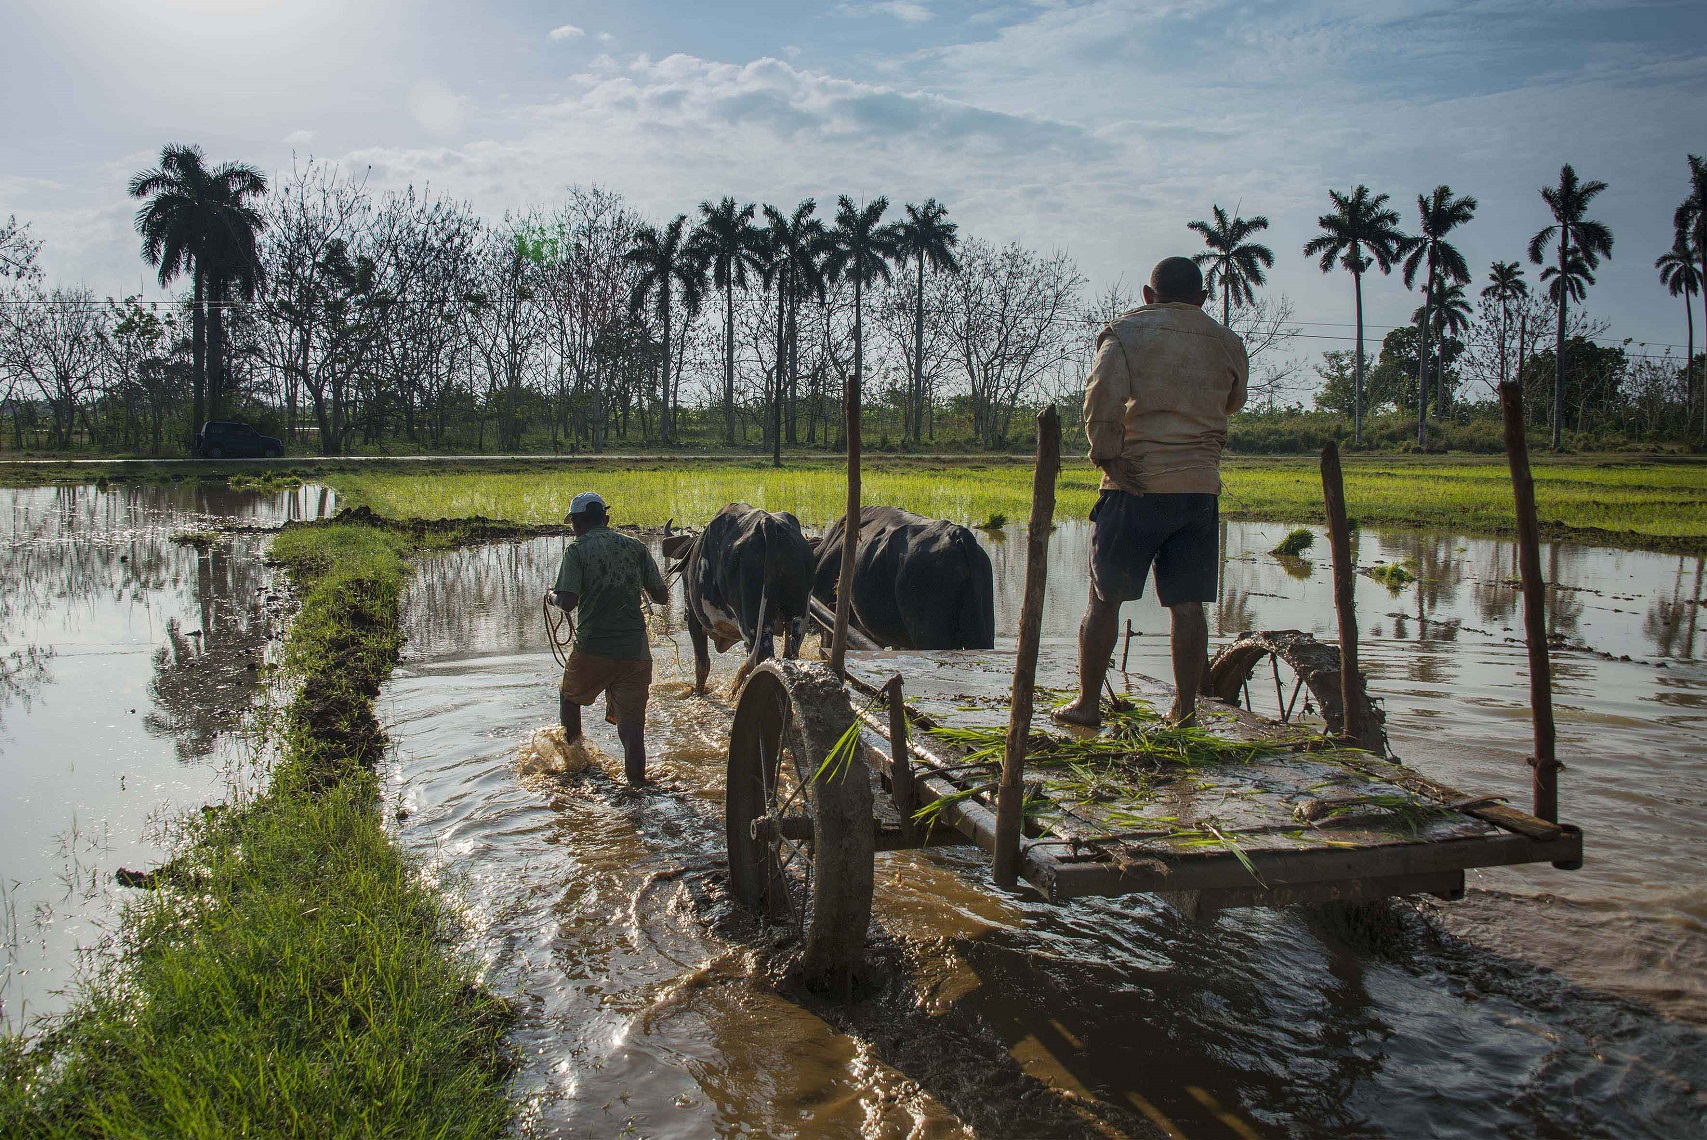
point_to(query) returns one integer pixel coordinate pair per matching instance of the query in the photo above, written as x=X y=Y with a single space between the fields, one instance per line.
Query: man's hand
x=1119 y=470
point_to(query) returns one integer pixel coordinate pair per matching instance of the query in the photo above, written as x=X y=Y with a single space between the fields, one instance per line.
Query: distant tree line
x=346 y=319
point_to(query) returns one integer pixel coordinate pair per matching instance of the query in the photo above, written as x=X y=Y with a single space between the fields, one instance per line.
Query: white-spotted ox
x=918 y=583
x=748 y=576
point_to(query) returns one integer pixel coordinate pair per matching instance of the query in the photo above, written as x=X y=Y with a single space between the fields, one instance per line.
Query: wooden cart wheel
x=801 y=849
x=1292 y=663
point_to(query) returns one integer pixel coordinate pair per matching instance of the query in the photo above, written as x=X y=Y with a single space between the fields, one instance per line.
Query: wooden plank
x=1061 y=879
x=1498 y=814
x=1448 y=885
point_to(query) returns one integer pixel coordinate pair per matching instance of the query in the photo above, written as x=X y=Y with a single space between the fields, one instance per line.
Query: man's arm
x=1106 y=393
x=565 y=594
x=1241 y=377
x=654 y=581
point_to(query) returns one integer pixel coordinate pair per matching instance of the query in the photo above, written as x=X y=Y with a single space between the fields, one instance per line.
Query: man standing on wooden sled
x=600 y=580
x=1167 y=376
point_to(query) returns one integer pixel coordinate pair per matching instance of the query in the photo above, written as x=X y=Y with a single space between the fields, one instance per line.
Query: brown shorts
x=623 y=682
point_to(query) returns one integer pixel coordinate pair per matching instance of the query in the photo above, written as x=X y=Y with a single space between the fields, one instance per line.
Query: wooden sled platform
x=1251 y=812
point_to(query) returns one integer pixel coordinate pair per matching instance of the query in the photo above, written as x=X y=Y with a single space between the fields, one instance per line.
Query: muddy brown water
x=126 y=691
x=1547 y=1002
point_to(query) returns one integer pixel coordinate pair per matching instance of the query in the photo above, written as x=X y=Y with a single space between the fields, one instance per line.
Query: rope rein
x=560 y=631
x=560 y=624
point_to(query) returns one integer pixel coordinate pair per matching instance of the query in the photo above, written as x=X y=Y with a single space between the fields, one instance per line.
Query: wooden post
x=1010 y=799
x=850 y=525
x=1545 y=762
x=900 y=757
x=1345 y=606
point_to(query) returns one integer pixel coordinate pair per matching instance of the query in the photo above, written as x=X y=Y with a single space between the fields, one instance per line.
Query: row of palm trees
x=1362 y=232
x=203 y=222
x=797 y=256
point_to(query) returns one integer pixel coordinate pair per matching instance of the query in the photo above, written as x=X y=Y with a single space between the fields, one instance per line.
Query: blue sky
x=1100 y=127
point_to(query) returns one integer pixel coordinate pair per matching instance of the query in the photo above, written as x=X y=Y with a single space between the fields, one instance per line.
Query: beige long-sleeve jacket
x=1166 y=378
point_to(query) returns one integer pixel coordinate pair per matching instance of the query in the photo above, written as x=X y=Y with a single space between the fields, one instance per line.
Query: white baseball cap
x=585 y=500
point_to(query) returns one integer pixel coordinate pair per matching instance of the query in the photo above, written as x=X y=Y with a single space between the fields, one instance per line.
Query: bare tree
x=1014 y=315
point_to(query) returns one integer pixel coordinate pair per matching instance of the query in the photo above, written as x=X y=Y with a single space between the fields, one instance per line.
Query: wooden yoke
x=1010 y=800
x=1345 y=606
x=1545 y=762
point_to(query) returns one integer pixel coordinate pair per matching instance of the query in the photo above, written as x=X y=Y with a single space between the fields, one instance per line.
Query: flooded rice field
x=128 y=668
x=1545 y=1003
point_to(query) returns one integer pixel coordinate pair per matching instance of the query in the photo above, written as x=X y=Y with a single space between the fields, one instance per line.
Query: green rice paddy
x=1644 y=504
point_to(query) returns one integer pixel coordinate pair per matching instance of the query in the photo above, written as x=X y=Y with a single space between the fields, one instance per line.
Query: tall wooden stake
x=1545 y=762
x=850 y=521
x=1345 y=607
x=900 y=759
x=1010 y=799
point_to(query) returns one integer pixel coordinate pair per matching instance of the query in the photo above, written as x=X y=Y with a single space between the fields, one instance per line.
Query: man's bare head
x=1177 y=280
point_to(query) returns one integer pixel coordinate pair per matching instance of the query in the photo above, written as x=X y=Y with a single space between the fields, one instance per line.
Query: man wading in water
x=1167 y=376
x=601 y=579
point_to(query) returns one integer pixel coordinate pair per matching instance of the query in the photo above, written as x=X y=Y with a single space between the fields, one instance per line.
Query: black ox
x=748 y=576
x=918 y=583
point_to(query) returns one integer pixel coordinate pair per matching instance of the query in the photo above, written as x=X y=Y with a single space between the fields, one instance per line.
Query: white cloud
x=565 y=32
x=436 y=107
x=907 y=11
x=298 y=140
x=606 y=38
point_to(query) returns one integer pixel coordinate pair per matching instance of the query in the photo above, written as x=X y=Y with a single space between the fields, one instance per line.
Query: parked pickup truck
x=222 y=439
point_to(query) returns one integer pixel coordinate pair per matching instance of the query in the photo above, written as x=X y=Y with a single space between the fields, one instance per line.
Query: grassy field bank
x=292 y=975
x=1651 y=505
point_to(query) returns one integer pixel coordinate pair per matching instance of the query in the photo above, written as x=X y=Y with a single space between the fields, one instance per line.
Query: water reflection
x=602 y=911
x=128 y=666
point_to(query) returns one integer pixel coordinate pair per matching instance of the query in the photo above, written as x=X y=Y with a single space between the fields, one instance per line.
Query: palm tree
x=1235 y=265
x=1505 y=285
x=1582 y=243
x=727 y=242
x=665 y=265
x=1690 y=220
x=794 y=248
x=1681 y=277
x=860 y=250
x=201 y=222
x=1450 y=311
x=1438 y=214
x=926 y=236
x=1360 y=233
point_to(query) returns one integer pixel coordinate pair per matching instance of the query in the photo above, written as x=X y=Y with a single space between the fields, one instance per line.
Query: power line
x=1087 y=322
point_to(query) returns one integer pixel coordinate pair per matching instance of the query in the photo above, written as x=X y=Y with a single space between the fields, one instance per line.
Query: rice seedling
x=1297 y=541
x=1649 y=505
x=1391 y=575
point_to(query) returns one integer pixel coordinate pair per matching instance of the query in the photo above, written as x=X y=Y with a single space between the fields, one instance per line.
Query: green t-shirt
x=607 y=570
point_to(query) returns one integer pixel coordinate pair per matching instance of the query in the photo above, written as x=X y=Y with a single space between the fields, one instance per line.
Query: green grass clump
x=1296 y=542
x=304 y=983
x=1391 y=575
x=266 y=481
x=199 y=539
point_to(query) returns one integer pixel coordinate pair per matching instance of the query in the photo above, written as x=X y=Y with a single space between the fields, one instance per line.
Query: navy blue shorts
x=1180 y=534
